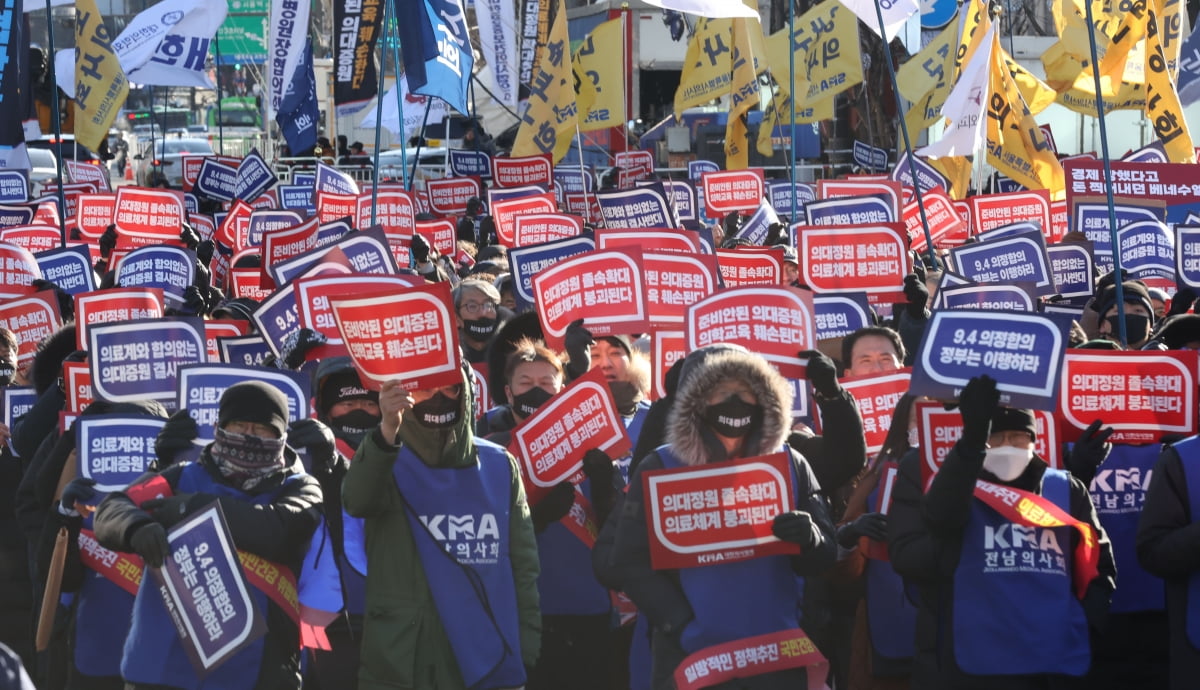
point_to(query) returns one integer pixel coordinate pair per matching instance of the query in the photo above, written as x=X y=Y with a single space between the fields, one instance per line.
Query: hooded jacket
x=404 y=644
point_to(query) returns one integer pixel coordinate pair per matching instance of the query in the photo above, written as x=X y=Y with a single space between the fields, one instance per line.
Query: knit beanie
x=254 y=401
x=1014 y=419
x=342 y=386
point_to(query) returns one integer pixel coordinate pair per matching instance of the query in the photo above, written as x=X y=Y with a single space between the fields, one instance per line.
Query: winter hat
x=1132 y=292
x=1179 y=330
x=341 y=386
x=254 y=401
x=1014 y=419
x=622 y=341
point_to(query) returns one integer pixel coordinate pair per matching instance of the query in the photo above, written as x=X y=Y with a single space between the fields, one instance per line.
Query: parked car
x=71 y=150
x=165 y=163
x=44 y=170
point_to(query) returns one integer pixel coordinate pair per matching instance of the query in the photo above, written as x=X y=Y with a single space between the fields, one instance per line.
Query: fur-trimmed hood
x=691 y=440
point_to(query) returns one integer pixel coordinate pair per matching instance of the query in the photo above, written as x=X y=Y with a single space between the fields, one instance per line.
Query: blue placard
x=190 y=203
x=331 y=232
x=467 y=163
x=276 y=318
x=302 y=179
x=138 y=360
x=216 y=180
x=334 y=181
x=839 y=315
x=262 y=222
x=1147 y=249
x=171 y=268
x=1187 y=255
x=780 y=195
x=1154 y=152
x=756 y=228
x=524 y=262
x=70 y=268
x=1072 y=268
x=1004 y=185
x=1015 y=297
x=1092 y=220
x=508 y=193
x=16 y=215
x=14 y=186
x=1022 y=352
x=927 y=175
x=298 y=197
x=205 y=591
x=201 y=385
x=696 y=170
x=369 y=252
x=683 y=195
x=852 y=210
x=574 y=179
x=244 y=350
x=802 y=406
x=645 y=207
x=254 y=177
x=1009 y=230
x=115 y=449
x=868 y=156
x=1021 y=258
x=15 y=401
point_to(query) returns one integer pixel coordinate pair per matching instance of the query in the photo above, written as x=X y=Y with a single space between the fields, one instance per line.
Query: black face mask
x=480 y=329
x=438 y=412
x=1137 y=328
x=353 y=426
x=7 y=372
x=733 y=417
x=528 y=402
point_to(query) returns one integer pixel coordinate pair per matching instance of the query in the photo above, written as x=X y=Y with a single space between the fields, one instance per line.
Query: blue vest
x=102 y=617
x=153 y=652
x=1189 y=455
x=733 y=601
x=641 y=661
x=891 y=617
x=465 y=557
x=319 y=584
x=1118 y=492
x=633 y=426
x=1014 y=609
x=354 y=564
x=566 y=583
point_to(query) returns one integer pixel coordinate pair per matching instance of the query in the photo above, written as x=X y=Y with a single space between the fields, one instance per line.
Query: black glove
x=420 y=248
x=297 y=345
x=917 y=294
x=870 y=525
x=578 y=342
x=176 y=435
x=822 y=372
x=598 y=467
x=79 y=490
x=108 y=241
x=150 y=542
x=977 y=404
x=316 y=439
x=194 y=301
x=1089 y=451
x=796 y=527
x=204 y=252
x=554 y=506
x=776 y=234
x=169 y=510
x=190 y=238
x=1183 y=300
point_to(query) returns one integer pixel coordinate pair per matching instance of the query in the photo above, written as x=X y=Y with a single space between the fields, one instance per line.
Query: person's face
x=508 y=300
x=251 y=429
x=1015 y=439
x=1160 y=307
x=529 y=375
x=7 y=353
x=791 y=273
x=611 y=360
x=347 y=406
x=873 y=354
x=475 y=305
x=1106 y=328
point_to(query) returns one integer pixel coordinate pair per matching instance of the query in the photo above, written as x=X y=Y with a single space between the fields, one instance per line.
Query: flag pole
x=908 y=149
x=394 y=32
x=56 y=124
x=421 y=140
x=792 y=105
x=220 y=119
x=387 y=6
x=1108 y=193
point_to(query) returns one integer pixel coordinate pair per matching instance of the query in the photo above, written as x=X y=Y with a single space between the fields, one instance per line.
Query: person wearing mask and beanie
x=1001 y=604
x=451 y=599
x=477 y=314
x=733 y=405
x=271 y=508
x=1139 y=315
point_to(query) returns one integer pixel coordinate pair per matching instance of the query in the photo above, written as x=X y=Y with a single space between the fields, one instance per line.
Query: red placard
x=94 y=213
x=536 y=228
x=837 y=189
x=990 y=211
x=442 y=234
x=421 y=199
x=1143 y=396
x=872 y=258
x=585 y=205
x=674 y=282
x=406 y=334
x=332 y=206
x=667 y=347
x=718 y=512
x=222 y=328
x=35 y=238
x=550 y=445
x=248 y=282
x=228 y=233
x=939 y=429
x=658 y=239
x=78 y=380
x=503 y=213
x=964 y=214
x=33 y=319
x=313 y=296
x=18 y=270
x=518 y=172
x=604 y=287
x=776 y=322
x=1060 y=221
x=877 y=395
x=150 y=213
x=945 y=226
x=112 y=305
x=633 y=166
x=750 y=266
x=286 y=243
x=450 y=196
x=394 y=211
x=190 y=166
x=726 y=191
x=483 y=396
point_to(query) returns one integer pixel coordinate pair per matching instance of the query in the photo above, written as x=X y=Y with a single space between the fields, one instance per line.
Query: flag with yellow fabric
x=743 y=94
x=100 y=83
x=1015 y=145
x=550 y=120
x=599 y=71
x=938 y=71
x=1163 y=109
x=708 y=65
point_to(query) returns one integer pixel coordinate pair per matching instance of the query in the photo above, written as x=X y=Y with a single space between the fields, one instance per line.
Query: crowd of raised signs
x=170 y=296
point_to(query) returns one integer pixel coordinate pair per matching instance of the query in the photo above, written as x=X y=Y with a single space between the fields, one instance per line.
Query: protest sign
x=666 y=348
x=218 y=618
x=16 y=215
x=526 y=170
x=394 y=210
x=450 y=196
x=727 y=191
x=114 y=305
x=172 y=269
x=888 y=190
x=850 y=211
x=1172 y=184
x=263 y=222
x=1019 y=258
x=331 y=206
x=14 y=186
x=1143 y=396
x=77 y=379
x=155 y=214
x=200 y=387
x=1059 y=221
x=215 y=329
x=139 y=360
x=442 y=234
x=334 y=181
x=584 y=205
x=939 y=429
x=867 y=156
x=645 y=207
x=313 y=296
x=718 y=512
x=872 y=259
x=538 y=228
x=549 y=446
x=233 y=225
x=782 y=195
x=254 y=176
x=15 y=401
x=1147 y=249
x=1071 y=265
x=877 y=395
x=636 y=160
x=247 y=282
x=35 y=238
x=32 y=319
x=1091 y=217
x=526 y=262
x=465 y=163
x=839 y=315
x=18 y=270
x=1187 y=255
x=406 y=334
x=216 y=180
x=1022 y=352
x=503 y=213
x=992 y=297
x=70 y=268
x=990 y=211
x=365 y=251
x=945 y=226
x=1021 y=227
x=750 y=266
x=297 y=197
x=574 y=179
x=94 y=213
x=249 y=350
x=674 y=282
x=605 y=287
x=115 y=449
x=682 y=196
x=928 y=176
x=660 y=240
x=775 y=322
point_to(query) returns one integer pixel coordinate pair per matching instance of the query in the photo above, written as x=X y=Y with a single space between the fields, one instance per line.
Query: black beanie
x=254 y=401
x=341 y=386
x=1014 y=419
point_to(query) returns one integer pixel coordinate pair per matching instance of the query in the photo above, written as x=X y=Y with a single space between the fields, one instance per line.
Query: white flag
x=497 y=21
x=966 y=107
x=167 y=43
x=414 y=111
x=286 y=37
x=713 y=9
x=895 y=14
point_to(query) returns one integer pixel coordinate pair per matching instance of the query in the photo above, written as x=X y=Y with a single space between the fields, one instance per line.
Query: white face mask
x=1006 y=462
x=914 y=437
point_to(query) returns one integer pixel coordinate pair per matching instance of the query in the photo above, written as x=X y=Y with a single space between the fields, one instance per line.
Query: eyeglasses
x=474 y=308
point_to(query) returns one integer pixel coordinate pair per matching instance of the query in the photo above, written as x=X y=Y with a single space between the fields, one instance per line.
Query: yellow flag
x=600 y=77
x=100 y=83
x=1162 y=100
x=957 y=170
x=708 y=67
x=926 y=109
x=549 y=122
x=743 y=95
x=931 y=68
x=1016 y=147
x=1038 y=96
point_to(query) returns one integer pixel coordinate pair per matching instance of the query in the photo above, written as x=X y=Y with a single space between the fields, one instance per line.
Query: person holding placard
x=451 y=597
x=1011 y=564
x=733 y=406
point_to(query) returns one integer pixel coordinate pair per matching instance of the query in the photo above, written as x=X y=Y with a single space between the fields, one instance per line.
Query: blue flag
x=299 y=111
x=448 y=72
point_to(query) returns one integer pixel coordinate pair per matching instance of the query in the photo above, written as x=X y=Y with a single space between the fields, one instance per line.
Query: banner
x=872 y=259
x=100 y=84
x=605 y=287
x=1020 y=258
x=753 y=656
x=718 y=512
x=200 y=387
x=1143 y=396
x=139 y=360
x=114 y=305
x=826 y=47
x=732 y=190
x=287 y=38
x=446 y=47
x=1163 y=108
x=299 y=111
x=115 y=449
x=497 y=21
x=775 y=322
x=355 y=30
x=549 y=122
x=167 y=43
x=707 y=66
x=172 y=269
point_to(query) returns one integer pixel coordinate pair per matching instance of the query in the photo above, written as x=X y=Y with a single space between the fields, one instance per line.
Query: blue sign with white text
x=1020 y=258
x=1071 y=265
x=524 y=262
x=115 y=449
x=856 y=210
x=138 y=360
x=201 y=385
x=467 y=163
x=1147 y=249
x=70 y=268
x=839 y=315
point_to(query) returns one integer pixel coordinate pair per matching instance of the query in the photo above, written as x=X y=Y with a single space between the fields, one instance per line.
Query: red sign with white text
x=939 y=429
x=536 y=228
x=113 y=305
x=718 y=512
x=837 y=189
x=776 y=322
x=153 y=213
x=35 y=238
x=332 y=206
x=228 y=232
x=989 y=211
x=945 y=227
x=248 y=282
x=313 y=297
x=667 y=347
x=33 y=319
x=449 y=197
x=1060 y=222
x=604 y=287
x=394 y=211
x=1143 y=396
x=656 y=239
x=222 y=328
x=726 y=191
x=674 y=282
x=877 y=395
x=504 y=213
x=585 y=205
x=442 y=234
x=78 y=379
x=750 y=266
x=94 y=213
x=873 y=259
x=518 y=172
x=287 y=243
